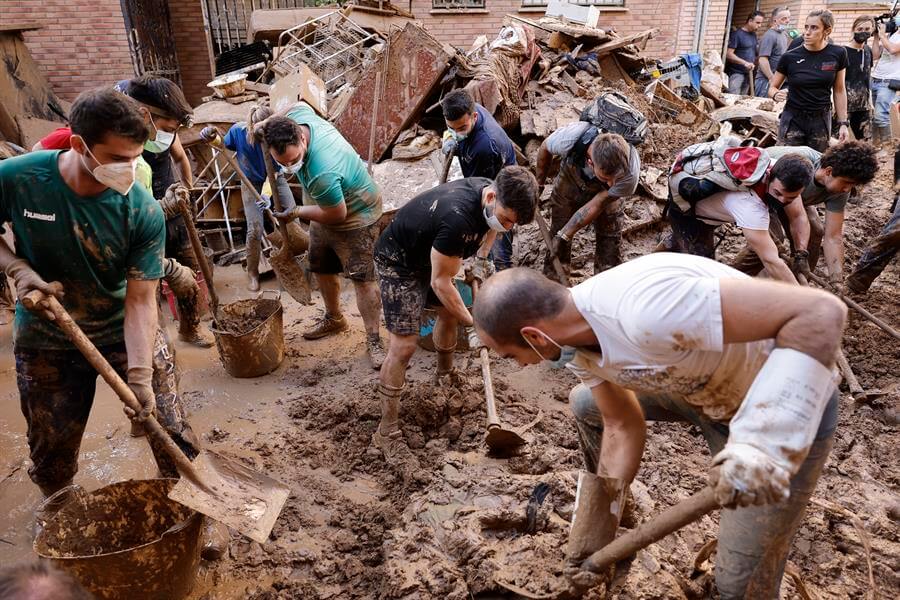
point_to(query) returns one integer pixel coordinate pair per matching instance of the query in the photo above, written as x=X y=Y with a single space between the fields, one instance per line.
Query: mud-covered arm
x=833 y=245
x=585 y=215
x=184 y=164
x=140 y=321
x=799 y=223
x=544 y=160
x=761 y=243
x=624 y=431
x=443 y=269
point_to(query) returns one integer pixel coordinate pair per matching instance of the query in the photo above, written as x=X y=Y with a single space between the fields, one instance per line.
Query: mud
x=478 y=526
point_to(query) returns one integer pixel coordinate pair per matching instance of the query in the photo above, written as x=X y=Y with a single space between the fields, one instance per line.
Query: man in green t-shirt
x=343 y=205
x=79 y=220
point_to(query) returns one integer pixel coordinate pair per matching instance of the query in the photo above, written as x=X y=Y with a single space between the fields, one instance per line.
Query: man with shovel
x=342 y=204
x=78 y=219
x=417 y=257
x=674 y=337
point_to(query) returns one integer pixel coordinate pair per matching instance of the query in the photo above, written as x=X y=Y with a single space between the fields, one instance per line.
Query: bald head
x=39 y=581
x=513 y=299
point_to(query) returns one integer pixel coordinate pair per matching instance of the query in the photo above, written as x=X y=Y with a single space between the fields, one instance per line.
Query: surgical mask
x=292 y=169
x=118 y=176
x=780 y=27
x=860 y=37
x=458 y=136
x=161 y=142
x=549 y=339
x=493 y=222
x=565 y=356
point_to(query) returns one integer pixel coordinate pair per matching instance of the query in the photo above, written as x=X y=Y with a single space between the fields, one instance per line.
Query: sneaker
x=198 y=337
x=375 y=350
x=325 y=326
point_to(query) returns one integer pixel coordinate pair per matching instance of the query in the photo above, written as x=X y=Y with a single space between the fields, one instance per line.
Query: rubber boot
x=444 y=360
x=253 y=250
x=387 y=437
x=599 y=504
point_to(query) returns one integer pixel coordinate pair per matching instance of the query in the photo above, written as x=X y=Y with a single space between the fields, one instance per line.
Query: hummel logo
x=38 y=216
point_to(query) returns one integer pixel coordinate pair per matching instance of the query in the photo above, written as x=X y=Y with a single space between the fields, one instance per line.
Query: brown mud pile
x=479 y=526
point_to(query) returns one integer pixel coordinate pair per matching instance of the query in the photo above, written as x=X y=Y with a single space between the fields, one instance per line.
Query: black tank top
x=163 y=171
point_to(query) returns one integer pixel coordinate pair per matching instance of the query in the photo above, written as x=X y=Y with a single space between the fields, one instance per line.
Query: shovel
x=288 y=272
x=500 y=441
x=545 y=233
x=200 y=257
x=213 y=485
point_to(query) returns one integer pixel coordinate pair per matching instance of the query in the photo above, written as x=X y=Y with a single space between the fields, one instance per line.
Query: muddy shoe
x=215 y=539
x=375 y=350
x=198 y=337
x=325 y=326
x=399 y=457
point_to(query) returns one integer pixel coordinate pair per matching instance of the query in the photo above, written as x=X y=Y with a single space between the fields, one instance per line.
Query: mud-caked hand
x=171 y=201
x=581 y=580
x=264 y=203
x=140 y=381
x=475 y=342
x=801 y=262
x=556 y=245
x=448 y=146
x=286 y=216
x=27 y=280
x=482 y=268
x=836 y=281
x=743 y=475
x=181 y=279
x=209 y=134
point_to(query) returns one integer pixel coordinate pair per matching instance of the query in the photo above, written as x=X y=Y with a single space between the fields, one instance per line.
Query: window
x=543 y=3
x=457 y=4
x=531 y=3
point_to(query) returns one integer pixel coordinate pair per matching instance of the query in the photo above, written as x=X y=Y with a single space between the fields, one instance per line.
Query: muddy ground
x=478 y=526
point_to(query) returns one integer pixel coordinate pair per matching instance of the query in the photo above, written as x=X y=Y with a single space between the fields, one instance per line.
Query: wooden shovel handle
x=109 y=375
x=668 y=521
x=492 y=418
x=545 y=233
x=855 y=306
x=200 y=256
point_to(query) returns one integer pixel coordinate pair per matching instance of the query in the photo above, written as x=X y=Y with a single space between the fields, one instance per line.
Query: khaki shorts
x=350 y=252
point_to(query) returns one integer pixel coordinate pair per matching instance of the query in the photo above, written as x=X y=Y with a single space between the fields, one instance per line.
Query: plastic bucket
x=429 y=316
x=126 y=540
x=251 y=338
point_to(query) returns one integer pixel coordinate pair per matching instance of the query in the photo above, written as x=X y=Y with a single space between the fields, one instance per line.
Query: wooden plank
x=20 y=26
x=625 y=41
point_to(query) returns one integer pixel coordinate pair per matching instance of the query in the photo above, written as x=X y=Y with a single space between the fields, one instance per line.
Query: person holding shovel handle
x=81 y=223
x=674 y=337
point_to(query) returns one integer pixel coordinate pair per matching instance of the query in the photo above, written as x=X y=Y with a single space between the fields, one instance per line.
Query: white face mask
x=549 y=339
x=161 y=143
x=292 y=169
x=493 y=222
x=118 y=176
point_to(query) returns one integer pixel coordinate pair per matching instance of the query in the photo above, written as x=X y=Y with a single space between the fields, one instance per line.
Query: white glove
x=449 y=143
x=772 y=431
x=475 y=342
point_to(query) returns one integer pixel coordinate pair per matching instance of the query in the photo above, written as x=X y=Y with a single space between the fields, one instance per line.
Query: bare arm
x=443 y=269
x=731 y=57
x=326 y=216
x=803 y=318
x=624 y=431
x=184 y=164
x=764 y=67
x=775 y=91
x=840 y=96
x=833 y=244
x=585 y=215
x=799 y=222
x=6 y=256
x=544 y=160
x=761 y=243
x=886 y=43
x=487 y=244
x=876 y=46
x=140 y=321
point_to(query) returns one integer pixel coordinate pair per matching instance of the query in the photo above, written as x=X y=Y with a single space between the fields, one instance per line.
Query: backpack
x=723 y=162
x=611 y=112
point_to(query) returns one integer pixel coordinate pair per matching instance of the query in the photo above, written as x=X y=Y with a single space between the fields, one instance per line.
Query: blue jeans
x=761 y=87
x=753 y=541
x=882 y=97
x=739 y=83
x=502 y=251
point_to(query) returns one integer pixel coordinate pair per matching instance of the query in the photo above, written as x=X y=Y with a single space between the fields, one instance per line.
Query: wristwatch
x=843 y=123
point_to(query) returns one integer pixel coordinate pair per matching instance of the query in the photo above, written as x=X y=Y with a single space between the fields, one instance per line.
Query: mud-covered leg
x=608 y=238
x=7 y=302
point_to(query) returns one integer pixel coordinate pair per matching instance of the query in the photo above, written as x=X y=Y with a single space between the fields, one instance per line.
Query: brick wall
x=191 y=48
x=82 y=45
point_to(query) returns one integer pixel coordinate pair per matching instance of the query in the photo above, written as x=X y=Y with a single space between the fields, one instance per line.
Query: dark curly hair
x=855 y=161
x=794 y=171
x=517 y=189
x=279 y=133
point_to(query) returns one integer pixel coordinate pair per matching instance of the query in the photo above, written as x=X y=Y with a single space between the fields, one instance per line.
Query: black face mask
x=773 y=203
x=860 y=37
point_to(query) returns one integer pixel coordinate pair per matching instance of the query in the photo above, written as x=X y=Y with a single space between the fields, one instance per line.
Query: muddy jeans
x=502 y=251
x=571 y=192
x=56 y=392
x=178 y=246
x=753 y=541
x=877 y=255
x=689 y=235
x=748 y=262
x=805 y=128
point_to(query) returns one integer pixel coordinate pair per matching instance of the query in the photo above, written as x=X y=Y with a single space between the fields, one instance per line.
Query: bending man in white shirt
x=671 y=337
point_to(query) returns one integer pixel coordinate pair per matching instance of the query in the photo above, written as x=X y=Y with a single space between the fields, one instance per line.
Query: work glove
x=449 y=143
x=27 y=280
x=181 y=279
x=482 y=268
x=475 y=342
x=801 y=262
x=209 y=134
x=140 y=381
x=263 y=203
x=556 y=245
x=286 y=216
x=171 y=201
x=745 y=476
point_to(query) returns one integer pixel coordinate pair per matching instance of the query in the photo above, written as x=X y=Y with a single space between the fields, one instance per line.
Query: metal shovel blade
x=290 y=275
x=239 y=497
x=503 y=441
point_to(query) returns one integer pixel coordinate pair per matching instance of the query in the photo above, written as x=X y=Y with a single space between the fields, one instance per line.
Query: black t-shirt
x=448 y=218
x=859 y=70
x=810 y=76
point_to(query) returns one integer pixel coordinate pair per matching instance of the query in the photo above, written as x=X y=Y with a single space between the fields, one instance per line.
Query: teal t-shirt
x=91 y=245
x=333 y=173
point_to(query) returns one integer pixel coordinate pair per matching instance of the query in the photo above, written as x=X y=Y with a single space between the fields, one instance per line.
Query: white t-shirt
x=744 y=209
x=658 y=320
x=888 y=66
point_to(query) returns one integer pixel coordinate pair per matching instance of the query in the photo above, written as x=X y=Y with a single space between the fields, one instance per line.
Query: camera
x=889 y=22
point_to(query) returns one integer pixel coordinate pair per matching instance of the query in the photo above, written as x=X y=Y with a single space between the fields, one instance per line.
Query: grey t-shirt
x=773 y=45
x=561 y=142
x=813 y=193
